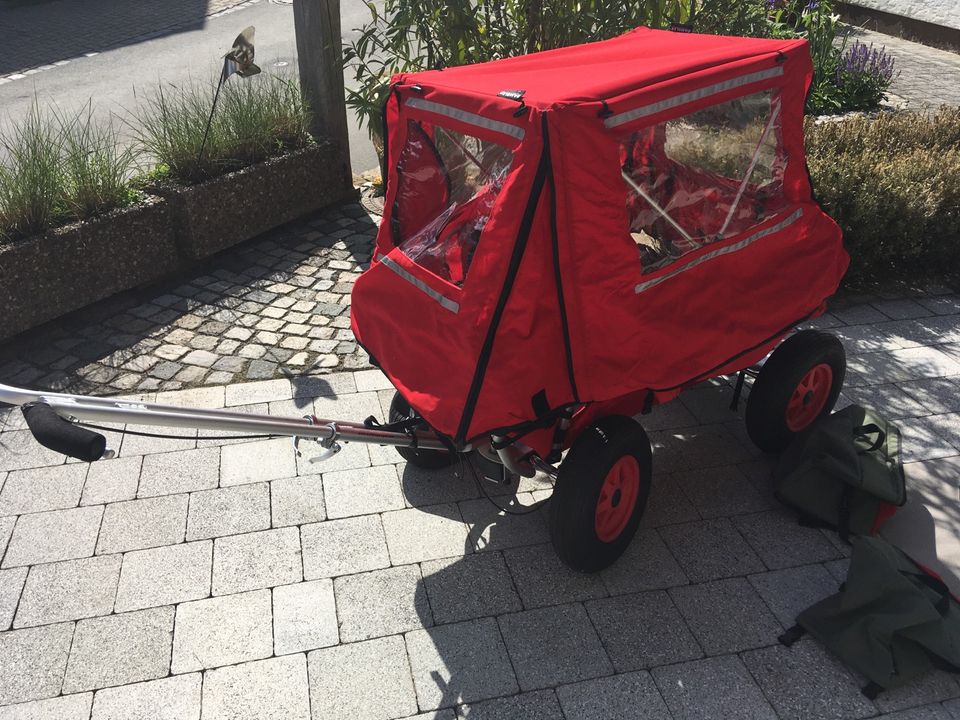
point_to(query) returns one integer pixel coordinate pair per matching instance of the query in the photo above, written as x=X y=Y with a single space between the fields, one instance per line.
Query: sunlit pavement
x=238 y=577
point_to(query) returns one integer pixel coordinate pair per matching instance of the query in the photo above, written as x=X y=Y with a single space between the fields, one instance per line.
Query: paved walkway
x=277 y=306
x=41 y=34
x=234 y=577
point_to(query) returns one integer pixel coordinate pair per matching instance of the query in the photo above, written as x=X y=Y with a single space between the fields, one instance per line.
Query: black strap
x=407 y=423
x=407 y=426
x=940 y=587
x=539 y=403
x=792 y=635
x=647 y=403
x=512 y=433
x=864 y=431
x=516 y=257
x=557 y=271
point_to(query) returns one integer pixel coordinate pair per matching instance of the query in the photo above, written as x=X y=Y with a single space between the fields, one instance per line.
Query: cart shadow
x=928 y=527
x=470 y=647
x=696 y=432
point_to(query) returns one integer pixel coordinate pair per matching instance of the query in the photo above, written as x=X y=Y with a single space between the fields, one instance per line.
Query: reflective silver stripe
x=644 y=110
x=449 y=304
x=467 y=117
x=722 y=251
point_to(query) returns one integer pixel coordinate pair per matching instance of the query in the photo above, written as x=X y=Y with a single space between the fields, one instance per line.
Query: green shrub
x=411 y=35
x=893 y=185
x=256 y=118
x=58 y=168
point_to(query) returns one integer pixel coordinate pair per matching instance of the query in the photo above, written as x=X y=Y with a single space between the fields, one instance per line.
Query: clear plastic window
x=703 y=177
x=448 y=185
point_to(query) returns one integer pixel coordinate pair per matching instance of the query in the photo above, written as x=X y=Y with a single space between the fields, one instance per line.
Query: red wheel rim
x=618 y=497
x=809 y=397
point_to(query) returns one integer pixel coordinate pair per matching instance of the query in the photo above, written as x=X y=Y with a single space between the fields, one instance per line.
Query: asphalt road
x=114 y=78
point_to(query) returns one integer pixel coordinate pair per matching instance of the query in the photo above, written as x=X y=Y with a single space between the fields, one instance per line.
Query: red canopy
x=584 y=73
x=594 y=226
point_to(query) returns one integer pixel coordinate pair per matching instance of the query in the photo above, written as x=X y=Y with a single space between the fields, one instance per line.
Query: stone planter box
x=227 y=210
x=46 y=276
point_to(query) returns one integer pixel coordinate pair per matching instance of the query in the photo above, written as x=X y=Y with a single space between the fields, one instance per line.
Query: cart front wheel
x=601 y=493
x=799 y=383
x=427 y=459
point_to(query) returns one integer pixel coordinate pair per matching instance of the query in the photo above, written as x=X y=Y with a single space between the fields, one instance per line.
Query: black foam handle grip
x=55 y=433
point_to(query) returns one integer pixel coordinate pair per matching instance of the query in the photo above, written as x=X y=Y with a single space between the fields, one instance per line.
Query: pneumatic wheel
x=799 y=383
x=600 y=494
x=427 y=459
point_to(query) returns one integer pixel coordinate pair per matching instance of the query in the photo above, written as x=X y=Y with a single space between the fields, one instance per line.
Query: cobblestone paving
x=275 y=306
x=928 y=77
x=40 y=34
x=232 y=578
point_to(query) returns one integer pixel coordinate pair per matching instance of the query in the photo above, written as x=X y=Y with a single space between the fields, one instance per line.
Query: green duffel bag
x=892 y=621
x=845 y=472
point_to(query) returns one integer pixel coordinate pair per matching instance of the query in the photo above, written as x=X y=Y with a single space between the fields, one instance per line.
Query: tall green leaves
x=255 y=119
x=96 y=165
x=31 y=178
x=58 y=167
x=410 y=35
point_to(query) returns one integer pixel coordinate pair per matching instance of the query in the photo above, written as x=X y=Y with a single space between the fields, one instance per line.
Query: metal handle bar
x=94 y=409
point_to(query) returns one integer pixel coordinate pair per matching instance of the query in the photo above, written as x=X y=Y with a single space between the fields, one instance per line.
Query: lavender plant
x=864 y=75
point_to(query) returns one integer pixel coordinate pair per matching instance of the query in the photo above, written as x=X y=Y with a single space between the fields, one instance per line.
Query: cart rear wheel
x=600 y=495
x=427 y=459
x=798 y=384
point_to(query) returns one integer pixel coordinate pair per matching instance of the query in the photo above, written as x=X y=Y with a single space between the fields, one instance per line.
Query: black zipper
x=567 y=347
x=518 y=249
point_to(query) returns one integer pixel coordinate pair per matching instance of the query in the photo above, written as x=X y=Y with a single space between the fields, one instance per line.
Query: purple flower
x=812 y=5
x=865 y=60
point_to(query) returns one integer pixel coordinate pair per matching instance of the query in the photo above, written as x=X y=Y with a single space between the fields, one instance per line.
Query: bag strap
x=792 y=635
x=938 y=586
x=864 y=431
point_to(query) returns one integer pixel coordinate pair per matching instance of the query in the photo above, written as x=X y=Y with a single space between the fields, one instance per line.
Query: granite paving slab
x=270 y=586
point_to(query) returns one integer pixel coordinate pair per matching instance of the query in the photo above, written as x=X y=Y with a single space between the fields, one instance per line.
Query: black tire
x=574 y=520
x=768 y=424
x=427 y=459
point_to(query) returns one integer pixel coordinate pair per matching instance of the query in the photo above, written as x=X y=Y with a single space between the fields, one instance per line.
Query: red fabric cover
x=713 y=317
x=638 y=59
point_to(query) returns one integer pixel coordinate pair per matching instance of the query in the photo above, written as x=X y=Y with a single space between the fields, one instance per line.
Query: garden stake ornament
x=240 y=61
